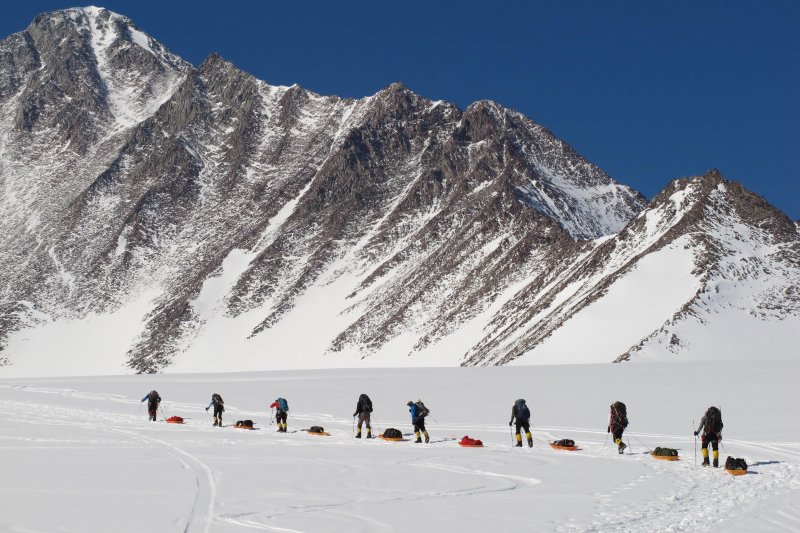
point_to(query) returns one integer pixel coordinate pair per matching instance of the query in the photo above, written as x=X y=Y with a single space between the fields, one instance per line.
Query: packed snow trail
x=82 y=449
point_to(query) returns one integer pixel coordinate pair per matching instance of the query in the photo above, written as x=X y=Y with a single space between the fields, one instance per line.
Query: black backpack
x=619 y=414
x=713 y=420
x=665 y=452
x=733 y=463
x=392 y=433
x=153 y=397
x=521 y=411
x=216 y=398
x=422 y=411
x=565 y=443
x=366 y=403
x=244 y=423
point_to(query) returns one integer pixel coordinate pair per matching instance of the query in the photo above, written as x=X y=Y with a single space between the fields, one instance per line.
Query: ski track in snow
x=641 y=494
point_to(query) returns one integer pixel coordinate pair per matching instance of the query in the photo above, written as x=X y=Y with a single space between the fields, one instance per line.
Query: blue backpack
x=283 y=405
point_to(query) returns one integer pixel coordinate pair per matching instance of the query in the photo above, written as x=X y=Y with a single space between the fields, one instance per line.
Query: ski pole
x=354 y=424
x=695 y=444
x=511 y=433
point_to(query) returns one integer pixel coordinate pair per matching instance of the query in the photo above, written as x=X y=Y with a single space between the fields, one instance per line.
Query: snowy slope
x=708 y=271
x=81 y=450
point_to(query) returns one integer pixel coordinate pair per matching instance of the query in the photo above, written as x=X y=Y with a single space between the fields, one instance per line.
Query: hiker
x=281 y=407
x=219 y=408
x=418 y=413
x=363 y=410
x=711 y=425
x=153 y=401
x=522 y=414
x=617 y=422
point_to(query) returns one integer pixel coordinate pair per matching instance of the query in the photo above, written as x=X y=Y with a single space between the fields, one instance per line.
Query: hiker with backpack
x=281 y=407
x=617 y=422
x=153 y=401
x=219 y=408
x=418 y=413
x=522 y=415
x=711 y=425
x=363 y=410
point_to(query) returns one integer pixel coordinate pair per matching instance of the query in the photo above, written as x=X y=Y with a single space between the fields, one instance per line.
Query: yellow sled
x=736 y=472
x=665 y=457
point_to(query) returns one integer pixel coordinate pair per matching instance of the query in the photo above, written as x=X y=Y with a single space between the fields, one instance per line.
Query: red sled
x=174 y=420
x=467 y=442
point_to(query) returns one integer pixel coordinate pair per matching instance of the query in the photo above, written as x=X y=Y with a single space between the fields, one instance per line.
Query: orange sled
x=736 y=472
x=319 y=433
x=174 y=420
x=392 y=439
x=665 y=457
x=565 y=448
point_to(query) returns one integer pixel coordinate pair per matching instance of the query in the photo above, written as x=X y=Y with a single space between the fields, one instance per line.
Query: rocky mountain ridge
x=194 y=211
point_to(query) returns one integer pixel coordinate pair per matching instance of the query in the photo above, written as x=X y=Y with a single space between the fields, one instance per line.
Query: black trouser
x=712 y=439
x=419 y=424
x=616 y=432
x=152 y=410
x=218 y=410
x=363 y=418
x=523 y=424
x=280 y=418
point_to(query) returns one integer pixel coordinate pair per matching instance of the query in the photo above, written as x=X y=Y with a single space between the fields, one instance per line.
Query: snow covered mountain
x=156 y=215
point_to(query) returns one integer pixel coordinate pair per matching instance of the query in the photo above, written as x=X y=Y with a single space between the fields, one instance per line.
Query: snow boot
x=427 y=438
x=419 y=440
x=530 y=439
x=622 y=447
x=706 y=462
x=369 y=433
x=358 y=435
x=518 y=438
x=518 y=444
x=716 y=459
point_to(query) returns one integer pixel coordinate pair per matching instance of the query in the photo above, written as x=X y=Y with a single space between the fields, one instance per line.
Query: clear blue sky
x=649 y=91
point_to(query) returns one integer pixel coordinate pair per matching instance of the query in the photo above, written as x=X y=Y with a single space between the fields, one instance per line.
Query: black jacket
x=707 y=430
x=361 y=406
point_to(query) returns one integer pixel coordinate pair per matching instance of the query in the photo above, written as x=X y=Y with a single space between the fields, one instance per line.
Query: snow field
x=79 y=454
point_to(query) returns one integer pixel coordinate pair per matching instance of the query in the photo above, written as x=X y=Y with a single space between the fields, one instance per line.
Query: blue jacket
x=147 y=397
x=415 y=413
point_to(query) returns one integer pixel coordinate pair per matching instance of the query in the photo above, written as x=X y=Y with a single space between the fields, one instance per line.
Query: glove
x=355 y=414
x=696 y=433
x=206 y=409
x=510 y=423
x=608 y=429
